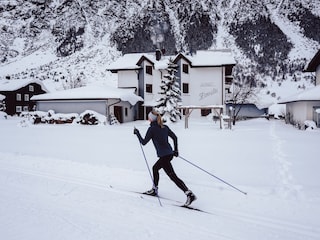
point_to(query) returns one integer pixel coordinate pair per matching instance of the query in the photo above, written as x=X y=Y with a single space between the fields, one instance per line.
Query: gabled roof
x=205 y=58
x=144 y=58
x=212 y=58
x=13 y=85
x=312 y=94
x=132 y=61
x=91 y=93
x=126 y=62
x=182 y=56
x=314 y=63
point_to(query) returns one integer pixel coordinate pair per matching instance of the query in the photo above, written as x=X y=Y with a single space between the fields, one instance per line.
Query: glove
x=175 y=153
x=135 y=131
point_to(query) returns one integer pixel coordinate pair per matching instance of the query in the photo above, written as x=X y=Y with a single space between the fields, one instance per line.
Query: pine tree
x=170 y=92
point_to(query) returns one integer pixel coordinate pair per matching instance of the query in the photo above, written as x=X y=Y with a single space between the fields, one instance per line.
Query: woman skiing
x=159 y=134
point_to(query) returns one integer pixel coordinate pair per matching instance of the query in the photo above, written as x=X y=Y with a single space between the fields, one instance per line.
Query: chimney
x=158 y=54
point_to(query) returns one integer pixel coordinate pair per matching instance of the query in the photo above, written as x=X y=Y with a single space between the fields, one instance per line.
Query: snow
x=127 y=61
x=92 y=92
x=312 y=94
x=33 y=60
x=12 y=85
x=278 y=110
x=200 y=58
x=74 y=182
x=212 y=58
x=3 y=115
x=302 y=47
x=101 y=118
x=130 y=61
x=310 y=124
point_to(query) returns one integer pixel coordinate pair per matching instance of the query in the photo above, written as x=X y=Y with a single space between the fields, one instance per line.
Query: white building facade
x=203 y=77
x=305 y=106
x=107 y=101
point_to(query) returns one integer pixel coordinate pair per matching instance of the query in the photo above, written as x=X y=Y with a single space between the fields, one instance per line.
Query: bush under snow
x=88 y=117
x=310 y=125
x=91 y=118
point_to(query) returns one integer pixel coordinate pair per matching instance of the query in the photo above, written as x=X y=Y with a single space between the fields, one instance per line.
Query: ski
x=143 y=195
x=175 y=201
x=193 y=208
x=161 y=197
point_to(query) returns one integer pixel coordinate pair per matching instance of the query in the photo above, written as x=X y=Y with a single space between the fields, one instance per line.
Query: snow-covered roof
x=2 y=97
x=312 y=94
x=12 y=85
x=90 y=93
x=201 y=106
x=314 y=63
x=212 y=58
x=130 y=61
x=126 y=62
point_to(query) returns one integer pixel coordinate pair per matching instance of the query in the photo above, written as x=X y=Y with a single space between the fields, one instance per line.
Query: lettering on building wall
x=207 y=90
x=203 y=95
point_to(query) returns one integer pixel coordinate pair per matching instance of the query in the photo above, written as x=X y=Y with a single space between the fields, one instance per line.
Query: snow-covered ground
x=76 y=182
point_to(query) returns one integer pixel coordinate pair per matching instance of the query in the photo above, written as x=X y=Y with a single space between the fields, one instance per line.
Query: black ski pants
x=165 y=164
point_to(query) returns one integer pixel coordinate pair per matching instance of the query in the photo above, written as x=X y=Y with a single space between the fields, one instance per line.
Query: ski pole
x=213 y=175
x=145 y=159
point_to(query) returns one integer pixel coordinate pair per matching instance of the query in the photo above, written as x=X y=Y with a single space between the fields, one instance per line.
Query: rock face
x=272 y=40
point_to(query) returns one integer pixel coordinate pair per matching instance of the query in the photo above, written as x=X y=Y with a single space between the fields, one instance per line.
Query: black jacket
x=159 y=136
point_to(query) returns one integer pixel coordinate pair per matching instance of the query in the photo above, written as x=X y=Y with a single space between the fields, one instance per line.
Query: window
x=25 y=108
x=26 y=98
x=149 y=70
x=18 y=97
x=229 y=70
x=31 y=88
x=149 y=88
x=185 y=68
x=228 y=80
x=228 y=75
x=18 y=109
x=126 y=112
x=185 y=87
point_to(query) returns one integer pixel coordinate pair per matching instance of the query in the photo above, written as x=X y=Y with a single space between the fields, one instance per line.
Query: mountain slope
x=271 y=40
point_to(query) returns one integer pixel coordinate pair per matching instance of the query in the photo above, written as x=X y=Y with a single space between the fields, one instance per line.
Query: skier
x=159 y=134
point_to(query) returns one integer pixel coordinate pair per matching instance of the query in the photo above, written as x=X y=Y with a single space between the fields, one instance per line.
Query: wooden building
x=18 y=94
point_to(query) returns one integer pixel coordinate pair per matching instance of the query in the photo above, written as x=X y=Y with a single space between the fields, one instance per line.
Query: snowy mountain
x=64 y=42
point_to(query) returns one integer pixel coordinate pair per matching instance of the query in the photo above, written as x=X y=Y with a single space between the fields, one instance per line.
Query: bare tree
x=74 y=81
x=240 y=95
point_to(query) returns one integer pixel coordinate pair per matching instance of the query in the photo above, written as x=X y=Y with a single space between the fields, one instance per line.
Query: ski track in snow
x=102 y=187
x=265 y=223
x=286 y=182
x=48 y=196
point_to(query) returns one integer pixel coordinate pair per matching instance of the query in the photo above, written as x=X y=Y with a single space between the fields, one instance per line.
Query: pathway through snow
x=286 y=187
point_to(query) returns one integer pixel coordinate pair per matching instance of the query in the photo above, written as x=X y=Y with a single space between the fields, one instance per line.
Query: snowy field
x=76 y=182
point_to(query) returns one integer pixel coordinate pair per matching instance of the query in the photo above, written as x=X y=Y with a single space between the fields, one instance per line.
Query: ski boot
x=190 y=198
x=152 y=192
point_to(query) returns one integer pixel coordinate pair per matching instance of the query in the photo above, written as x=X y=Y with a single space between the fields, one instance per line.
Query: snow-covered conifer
x=170 y=94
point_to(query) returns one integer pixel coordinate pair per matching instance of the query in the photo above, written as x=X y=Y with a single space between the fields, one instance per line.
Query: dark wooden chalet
x=18 y=94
